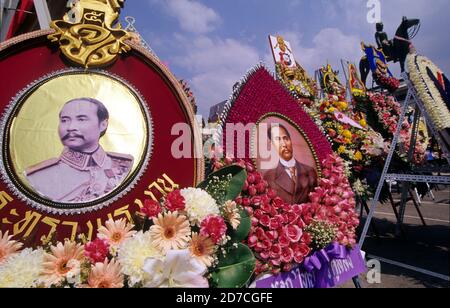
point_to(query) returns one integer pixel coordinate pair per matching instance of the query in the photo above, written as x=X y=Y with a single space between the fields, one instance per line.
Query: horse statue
x=394 y=50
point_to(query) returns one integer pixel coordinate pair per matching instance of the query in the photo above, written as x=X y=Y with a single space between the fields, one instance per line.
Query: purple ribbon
x=324 y=256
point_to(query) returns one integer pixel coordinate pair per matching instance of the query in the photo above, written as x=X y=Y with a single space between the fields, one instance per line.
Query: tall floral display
x=432 y=87
x=288 y=228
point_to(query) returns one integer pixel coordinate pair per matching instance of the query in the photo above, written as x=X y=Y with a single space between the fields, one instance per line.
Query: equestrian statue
x=394 y=50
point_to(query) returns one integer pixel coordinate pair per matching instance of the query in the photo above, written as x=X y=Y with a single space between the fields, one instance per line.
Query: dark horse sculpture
x=399 y=48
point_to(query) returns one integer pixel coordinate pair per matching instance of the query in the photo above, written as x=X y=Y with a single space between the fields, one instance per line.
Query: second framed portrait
x=284 y=143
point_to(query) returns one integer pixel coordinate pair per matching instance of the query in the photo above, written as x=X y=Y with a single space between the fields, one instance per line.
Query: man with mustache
x=292 y=180
x=84 y=172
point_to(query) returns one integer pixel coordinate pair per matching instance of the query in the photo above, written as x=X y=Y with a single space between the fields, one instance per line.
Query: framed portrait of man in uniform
x=75 y=146
x=286 y=159
x=84 y=171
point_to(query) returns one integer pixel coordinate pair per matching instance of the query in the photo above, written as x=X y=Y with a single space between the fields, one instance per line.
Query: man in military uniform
x=292 y=180
x=84 y=172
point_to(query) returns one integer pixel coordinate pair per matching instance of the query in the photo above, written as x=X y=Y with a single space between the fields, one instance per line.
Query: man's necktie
x=293 y=172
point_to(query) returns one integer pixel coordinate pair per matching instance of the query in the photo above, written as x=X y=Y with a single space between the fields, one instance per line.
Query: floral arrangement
x=387 y=82
x=419 y=68
x=352 y=139
x=297 y=82
x=333 y=201
x=387 y=111
x=189 y=239
x=278 y=235
x=189 y=94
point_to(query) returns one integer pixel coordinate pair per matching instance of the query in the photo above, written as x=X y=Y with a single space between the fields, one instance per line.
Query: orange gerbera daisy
x=63 y=262
x=8 y=247
x=202 y=248
x=170 y=231
x=116 y=232
x=106 y=276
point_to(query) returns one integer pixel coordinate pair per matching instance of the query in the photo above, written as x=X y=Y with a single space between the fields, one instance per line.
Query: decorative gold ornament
x=90 y=35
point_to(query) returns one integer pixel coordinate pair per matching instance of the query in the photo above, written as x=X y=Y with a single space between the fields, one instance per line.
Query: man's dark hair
x=102 y=112
x=274 y=125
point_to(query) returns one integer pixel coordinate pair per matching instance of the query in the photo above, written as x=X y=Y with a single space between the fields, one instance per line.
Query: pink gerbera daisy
x=63 y=262
x=116 y=232
x=106 y=275
x=7 y=246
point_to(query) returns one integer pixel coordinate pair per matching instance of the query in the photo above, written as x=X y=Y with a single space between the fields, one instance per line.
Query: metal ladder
x=412 y=98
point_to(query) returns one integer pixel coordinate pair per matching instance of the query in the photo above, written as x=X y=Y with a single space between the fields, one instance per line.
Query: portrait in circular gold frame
x=46 y=140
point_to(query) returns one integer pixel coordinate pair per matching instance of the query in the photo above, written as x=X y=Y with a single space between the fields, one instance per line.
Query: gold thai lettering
x=74 y=226
x=53 y=223
x=27 y=225
x=4 y=199
x=139 y=203
x=172 y=187
x=123 y=211
x=90 y=230
x=164 y=189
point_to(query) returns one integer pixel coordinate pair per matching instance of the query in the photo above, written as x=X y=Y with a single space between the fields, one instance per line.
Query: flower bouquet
x=387 y=82
x=192 y=238
x=283 y=235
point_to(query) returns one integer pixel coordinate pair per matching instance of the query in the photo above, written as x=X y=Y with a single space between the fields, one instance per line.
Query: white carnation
x=199 y=205
x=132 y=255
x=22 y=270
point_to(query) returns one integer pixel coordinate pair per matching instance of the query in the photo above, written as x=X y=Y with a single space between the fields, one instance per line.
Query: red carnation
x=175 y=201
x=151 y=208
x=97 y=251
x=214 y=227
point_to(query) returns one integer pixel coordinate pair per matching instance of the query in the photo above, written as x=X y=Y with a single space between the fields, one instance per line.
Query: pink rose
x=271 y=194
x=287 y=255
x=252 y=190
x=252 y=240
x=284 y=240
x=274 y=224
x=251 y=179
x=256 y=201
x=265 y=220
x=272 y=235
x=261 y=187
x=294 y=233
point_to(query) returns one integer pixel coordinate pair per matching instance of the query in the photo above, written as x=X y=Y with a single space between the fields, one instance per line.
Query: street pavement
x=419 y=258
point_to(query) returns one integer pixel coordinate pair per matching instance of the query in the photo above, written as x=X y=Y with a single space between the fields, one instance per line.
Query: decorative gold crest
x=90 y=35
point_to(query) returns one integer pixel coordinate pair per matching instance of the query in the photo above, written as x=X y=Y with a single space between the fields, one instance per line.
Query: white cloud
x=192 y=16
x=215 y=65
x=329 y=45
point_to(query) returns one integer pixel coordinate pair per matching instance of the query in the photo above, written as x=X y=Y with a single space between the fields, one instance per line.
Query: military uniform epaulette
x=119 y=156
x=43 y=165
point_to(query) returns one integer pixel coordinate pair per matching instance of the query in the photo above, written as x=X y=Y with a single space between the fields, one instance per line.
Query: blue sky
x=213 y=43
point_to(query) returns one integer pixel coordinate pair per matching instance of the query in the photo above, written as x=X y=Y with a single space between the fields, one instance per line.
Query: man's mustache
x=72 y=135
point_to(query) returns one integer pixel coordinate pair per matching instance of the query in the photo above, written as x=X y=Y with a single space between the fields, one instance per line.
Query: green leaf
x=235 y=269
x=225 y=184
x=244 y=228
